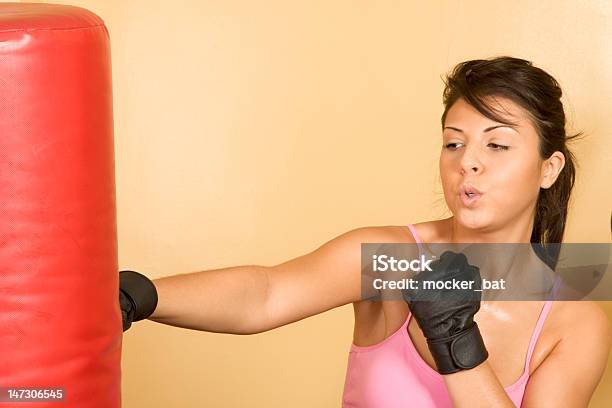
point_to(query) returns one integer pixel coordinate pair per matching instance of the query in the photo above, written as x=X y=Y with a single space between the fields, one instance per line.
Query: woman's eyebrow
x=486 y=130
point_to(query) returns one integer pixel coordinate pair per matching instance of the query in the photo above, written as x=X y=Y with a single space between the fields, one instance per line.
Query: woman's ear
x=551 y=168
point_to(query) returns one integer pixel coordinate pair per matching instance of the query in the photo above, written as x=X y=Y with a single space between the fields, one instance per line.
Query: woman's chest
x=507 y=331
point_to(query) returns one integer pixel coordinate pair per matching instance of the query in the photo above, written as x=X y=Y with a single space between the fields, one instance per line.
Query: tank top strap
x=416 y=238
x=552 y=295
x=536 y=332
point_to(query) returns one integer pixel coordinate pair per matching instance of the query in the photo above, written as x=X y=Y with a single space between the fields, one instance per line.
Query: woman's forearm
x=229 y=300
x=477 y=387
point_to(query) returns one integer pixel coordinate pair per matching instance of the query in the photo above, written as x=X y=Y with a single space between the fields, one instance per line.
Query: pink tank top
x=392 y=374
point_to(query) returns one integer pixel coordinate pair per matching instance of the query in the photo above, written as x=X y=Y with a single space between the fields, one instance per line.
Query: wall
x=252 y=132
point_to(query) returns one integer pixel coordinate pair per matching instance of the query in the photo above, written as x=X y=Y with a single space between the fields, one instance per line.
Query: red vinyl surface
x=60 y=323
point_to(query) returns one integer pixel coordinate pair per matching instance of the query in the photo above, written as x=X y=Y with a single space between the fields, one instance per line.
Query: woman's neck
x=518 y=231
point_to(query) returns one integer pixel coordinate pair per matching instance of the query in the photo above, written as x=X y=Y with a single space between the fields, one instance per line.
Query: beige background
x=252 y=132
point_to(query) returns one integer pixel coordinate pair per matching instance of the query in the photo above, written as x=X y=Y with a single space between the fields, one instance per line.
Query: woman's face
x=500 y=163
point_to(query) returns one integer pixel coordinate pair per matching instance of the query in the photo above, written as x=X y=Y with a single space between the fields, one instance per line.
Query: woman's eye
x=498 y=147
x=451 y=146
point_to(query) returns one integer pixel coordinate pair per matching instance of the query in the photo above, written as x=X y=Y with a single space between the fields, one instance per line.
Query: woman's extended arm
x=252 y=299
x=228 y=300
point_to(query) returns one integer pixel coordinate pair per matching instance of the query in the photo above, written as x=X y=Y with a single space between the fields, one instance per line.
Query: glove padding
x=137 y=297
x=446 y=316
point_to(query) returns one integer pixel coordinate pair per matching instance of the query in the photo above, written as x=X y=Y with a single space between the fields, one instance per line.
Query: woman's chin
x=472 y=219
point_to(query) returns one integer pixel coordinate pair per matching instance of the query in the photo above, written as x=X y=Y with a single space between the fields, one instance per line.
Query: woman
x=504 y=142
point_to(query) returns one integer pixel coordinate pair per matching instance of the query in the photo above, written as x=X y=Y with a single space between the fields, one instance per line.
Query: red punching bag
x=60 y=323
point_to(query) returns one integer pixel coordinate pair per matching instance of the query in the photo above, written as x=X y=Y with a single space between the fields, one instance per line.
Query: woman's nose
x=470 y=162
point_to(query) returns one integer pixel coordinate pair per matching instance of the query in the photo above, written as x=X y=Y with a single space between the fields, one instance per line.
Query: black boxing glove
x=137 y=297
x=446 y=316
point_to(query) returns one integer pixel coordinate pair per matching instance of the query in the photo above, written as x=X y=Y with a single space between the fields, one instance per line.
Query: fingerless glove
x=446 y=314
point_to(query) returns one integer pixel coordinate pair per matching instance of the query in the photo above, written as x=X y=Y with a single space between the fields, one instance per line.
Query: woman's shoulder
x=580 y=325
x=576 y=318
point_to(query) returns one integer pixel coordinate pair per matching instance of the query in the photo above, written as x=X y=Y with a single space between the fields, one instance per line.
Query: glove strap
x=462 y=351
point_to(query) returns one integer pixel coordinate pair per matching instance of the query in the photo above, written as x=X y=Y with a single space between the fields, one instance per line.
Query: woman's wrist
x=462 y=351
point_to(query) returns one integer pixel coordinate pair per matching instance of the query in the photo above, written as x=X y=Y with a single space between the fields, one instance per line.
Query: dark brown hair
x=539 y=94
